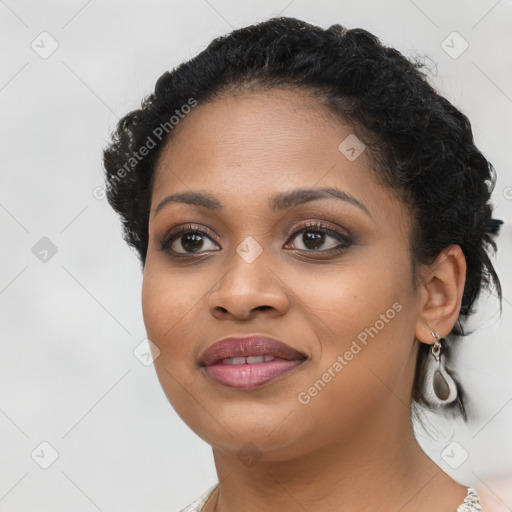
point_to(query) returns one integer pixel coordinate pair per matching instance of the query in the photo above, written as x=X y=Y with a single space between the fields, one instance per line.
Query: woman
x=313 y=221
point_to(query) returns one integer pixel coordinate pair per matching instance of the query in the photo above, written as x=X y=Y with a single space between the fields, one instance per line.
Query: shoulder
x=197 y=505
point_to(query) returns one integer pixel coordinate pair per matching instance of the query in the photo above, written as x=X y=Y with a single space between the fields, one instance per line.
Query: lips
x=249 y=346
x=249 y=362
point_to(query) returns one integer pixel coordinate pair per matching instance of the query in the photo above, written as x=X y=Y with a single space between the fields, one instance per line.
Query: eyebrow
x=280 y=201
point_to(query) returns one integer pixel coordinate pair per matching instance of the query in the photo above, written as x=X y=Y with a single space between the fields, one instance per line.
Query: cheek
x=156 y=310
x=170 y=304
x=361 y=312
x=169 y=297
x=344 y=299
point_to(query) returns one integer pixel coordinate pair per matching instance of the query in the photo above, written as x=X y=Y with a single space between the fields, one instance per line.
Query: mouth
x=249 y=362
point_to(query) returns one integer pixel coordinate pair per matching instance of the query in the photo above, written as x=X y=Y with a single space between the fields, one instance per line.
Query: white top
x=471 y=502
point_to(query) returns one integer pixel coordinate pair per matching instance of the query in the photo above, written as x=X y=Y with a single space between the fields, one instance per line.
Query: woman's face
x=341 y=293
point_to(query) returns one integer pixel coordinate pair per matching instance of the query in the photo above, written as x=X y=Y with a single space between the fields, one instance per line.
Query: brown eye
x=318 y=237
x=187 y=240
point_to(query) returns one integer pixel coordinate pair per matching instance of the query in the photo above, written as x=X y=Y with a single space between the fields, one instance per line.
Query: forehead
x=249 y=146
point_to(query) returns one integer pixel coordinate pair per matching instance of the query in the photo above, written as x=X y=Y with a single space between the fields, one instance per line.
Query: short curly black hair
x=421 y=145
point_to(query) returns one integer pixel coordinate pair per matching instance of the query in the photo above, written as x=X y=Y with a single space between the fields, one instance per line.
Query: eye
x=187 y=240
x=315 y=237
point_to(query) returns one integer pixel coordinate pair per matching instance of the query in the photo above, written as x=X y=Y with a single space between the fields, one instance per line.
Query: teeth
x=248 y=359
x=255 y=359
x=234 y=360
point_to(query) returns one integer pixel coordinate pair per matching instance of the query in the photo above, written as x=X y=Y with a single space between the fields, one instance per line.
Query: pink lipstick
x=249 y=362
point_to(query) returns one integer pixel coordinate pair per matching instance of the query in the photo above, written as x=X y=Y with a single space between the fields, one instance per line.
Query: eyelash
x=345 y=240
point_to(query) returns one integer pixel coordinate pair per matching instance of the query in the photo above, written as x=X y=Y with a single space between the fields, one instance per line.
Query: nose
x=247 y=288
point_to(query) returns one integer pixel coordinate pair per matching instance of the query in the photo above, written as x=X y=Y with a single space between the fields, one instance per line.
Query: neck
x=379 y=467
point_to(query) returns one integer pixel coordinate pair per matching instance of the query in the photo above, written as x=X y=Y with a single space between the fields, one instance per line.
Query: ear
x=440 y=294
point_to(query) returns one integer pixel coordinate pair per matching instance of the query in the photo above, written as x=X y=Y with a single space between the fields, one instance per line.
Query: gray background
x=70 y=324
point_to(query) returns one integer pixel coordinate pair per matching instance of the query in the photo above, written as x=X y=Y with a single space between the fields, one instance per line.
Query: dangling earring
x=440 y=388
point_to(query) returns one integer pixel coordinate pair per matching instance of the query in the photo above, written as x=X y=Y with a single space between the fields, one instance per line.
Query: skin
x=353 y=443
